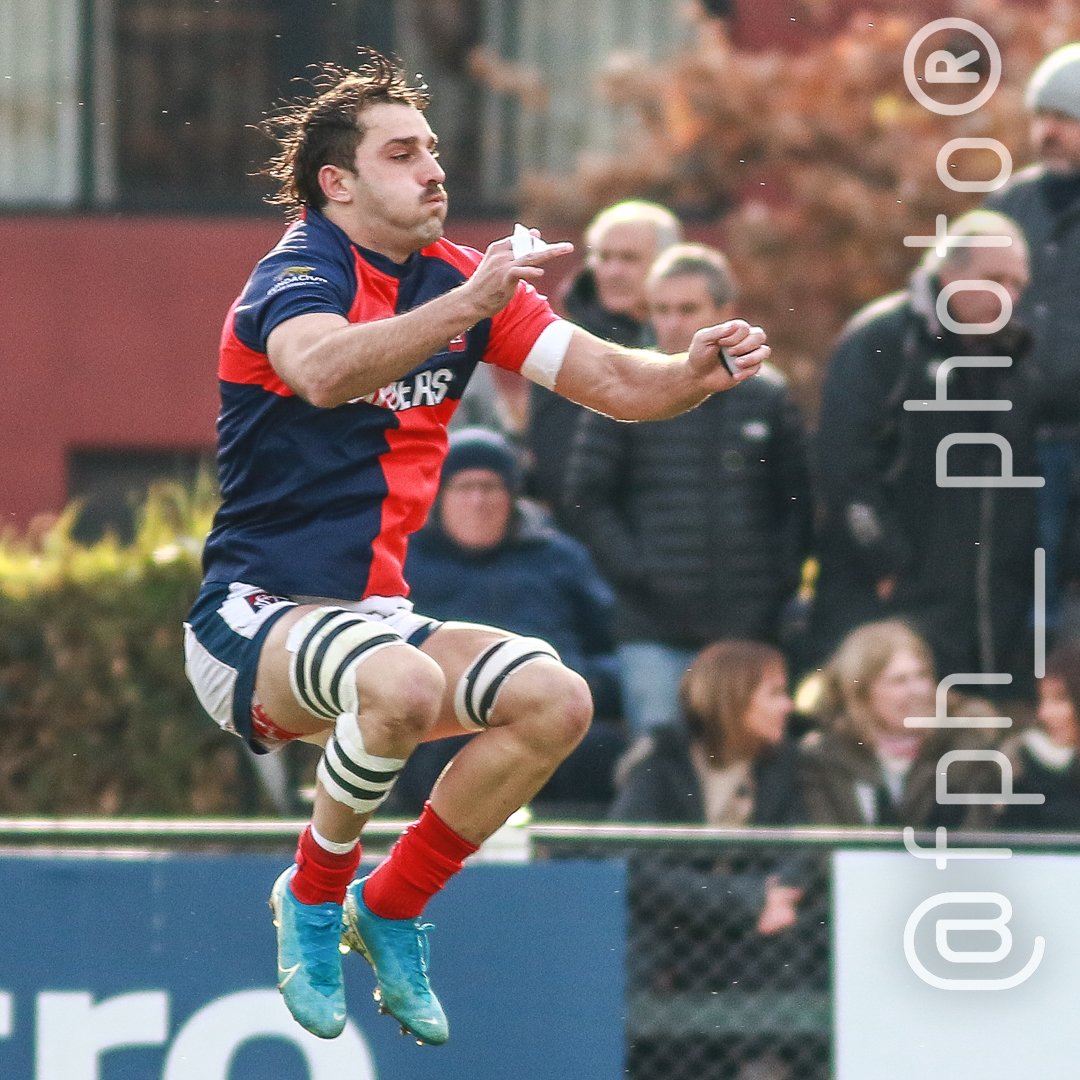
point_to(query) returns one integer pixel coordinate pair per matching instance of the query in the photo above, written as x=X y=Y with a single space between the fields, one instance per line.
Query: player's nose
x=434 y=172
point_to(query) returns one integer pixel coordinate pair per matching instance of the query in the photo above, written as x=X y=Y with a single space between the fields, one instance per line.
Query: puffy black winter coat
x=1047 y=208
x=701 y=522
x=552 y=418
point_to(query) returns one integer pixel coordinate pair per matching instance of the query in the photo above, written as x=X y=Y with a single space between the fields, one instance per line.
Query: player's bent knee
x=554 y=703
x=483 y=680
x=328 y=645
x=352 y=776
x=405 y=689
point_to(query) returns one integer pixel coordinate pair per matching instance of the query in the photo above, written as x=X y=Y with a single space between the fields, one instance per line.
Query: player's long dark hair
x=326 y=127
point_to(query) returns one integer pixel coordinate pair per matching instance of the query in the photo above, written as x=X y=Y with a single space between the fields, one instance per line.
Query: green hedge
x=96 y=715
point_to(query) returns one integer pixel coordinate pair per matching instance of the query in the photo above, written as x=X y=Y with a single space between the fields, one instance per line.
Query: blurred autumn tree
x=812 y=167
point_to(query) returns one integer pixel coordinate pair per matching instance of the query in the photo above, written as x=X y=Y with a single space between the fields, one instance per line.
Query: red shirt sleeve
x=515 y=329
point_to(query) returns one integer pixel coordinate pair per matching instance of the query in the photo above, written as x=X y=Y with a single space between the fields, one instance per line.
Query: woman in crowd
x=1044 y=757
x=708 y=917
x=726 y=761
x=865 y=765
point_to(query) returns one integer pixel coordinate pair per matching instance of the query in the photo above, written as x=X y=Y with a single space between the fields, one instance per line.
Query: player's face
x=1057 y=715
x=620 y=261
x=397 y=200
x=769 y=708
x=679 y=307
x=904 y=688
x=1055 y=137
x=475 y=508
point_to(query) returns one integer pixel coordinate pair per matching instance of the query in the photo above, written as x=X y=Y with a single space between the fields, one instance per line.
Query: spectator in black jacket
x=1044 y=200
x=608 y=299
x=701 y=523
x=913 y=524
x=724 y=759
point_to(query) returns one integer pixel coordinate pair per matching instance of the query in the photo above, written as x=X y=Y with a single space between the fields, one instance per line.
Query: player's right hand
x=493 y=284
x=721 y=356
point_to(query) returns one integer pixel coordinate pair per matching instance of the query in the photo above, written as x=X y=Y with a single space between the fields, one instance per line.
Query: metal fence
x=710 y=995
x=711 y=992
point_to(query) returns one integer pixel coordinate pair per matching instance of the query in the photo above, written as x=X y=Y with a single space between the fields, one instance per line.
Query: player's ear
x=333 y=181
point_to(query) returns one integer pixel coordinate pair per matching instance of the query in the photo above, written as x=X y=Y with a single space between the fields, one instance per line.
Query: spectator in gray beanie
x=1055 y=84
x=479 y=448
x=1044 y=200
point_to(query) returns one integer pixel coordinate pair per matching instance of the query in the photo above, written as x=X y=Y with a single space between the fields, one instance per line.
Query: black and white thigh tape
x=350 y=774
x=475 y=693
x=327 y=645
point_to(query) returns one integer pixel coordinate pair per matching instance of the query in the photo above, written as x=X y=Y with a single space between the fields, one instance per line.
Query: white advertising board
x=970 y=972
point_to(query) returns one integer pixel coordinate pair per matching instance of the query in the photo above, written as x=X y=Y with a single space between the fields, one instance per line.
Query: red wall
x=109 y=337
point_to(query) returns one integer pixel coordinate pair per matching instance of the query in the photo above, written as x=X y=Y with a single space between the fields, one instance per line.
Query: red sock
x=321 y=876
x=428 y=854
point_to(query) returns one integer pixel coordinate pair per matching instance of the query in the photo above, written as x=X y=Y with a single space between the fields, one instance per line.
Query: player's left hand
x=744 y=345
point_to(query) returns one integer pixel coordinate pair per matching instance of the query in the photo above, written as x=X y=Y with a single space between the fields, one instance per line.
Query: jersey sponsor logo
x=291 y=276
x=421 y=388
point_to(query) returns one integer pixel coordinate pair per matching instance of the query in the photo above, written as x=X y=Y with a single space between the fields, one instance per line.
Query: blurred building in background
x=129 y=188
x=131 y=207
x=148 y=105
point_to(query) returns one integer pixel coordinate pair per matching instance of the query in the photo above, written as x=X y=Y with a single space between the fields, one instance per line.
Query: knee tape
x=327 y=645
x=475 y=693
x=350 y=774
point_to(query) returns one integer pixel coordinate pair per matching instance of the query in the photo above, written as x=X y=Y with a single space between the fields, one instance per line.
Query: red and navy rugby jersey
x=321 y=502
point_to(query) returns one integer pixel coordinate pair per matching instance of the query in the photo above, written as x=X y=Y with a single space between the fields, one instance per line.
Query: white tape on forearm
x=545 y=359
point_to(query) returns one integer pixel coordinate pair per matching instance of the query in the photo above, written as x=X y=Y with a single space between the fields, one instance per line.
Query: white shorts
x=224 y=634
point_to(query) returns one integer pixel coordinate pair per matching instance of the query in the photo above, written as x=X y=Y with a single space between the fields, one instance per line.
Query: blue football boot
x=309 y=960
x=397 y=950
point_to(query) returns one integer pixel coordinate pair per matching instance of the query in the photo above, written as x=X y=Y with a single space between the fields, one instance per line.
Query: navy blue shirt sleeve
x=307 y=272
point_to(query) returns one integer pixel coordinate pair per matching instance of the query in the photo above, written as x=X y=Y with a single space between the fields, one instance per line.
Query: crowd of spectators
x=701 y=522
x=915 y=511
x=688 y=568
